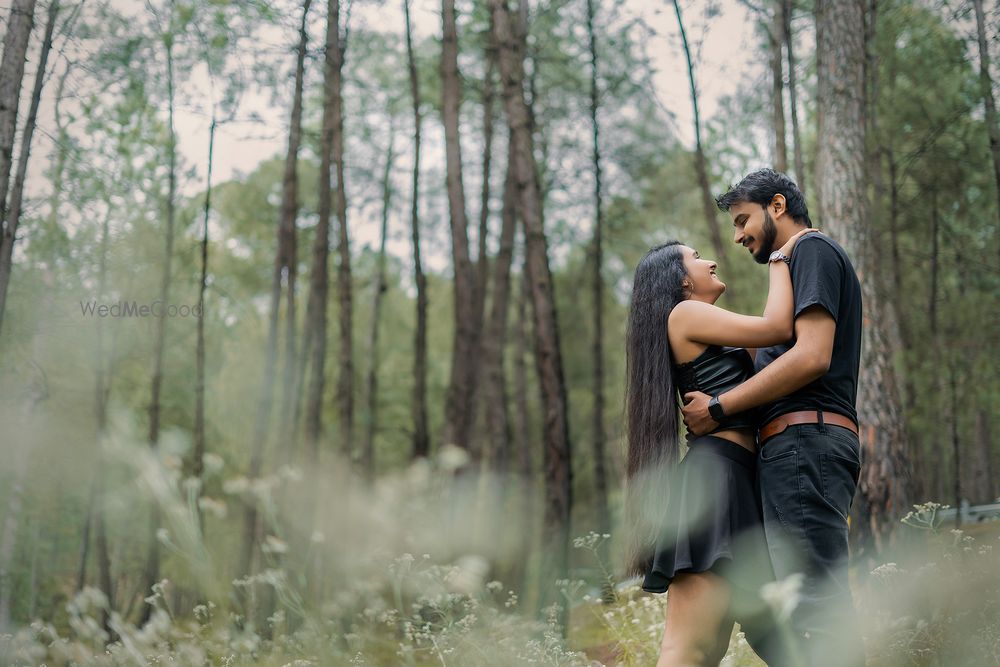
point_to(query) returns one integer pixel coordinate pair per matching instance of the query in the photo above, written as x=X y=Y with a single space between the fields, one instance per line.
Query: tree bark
x=151 y=571
x=368 y=452
x=844 y=201
x=494 y=341
x=597 y=287
x=421 y=437
x=800 y=169
x=196 y=465
x=465 y=344
x=294 y=358
x=558 y=468
x=15 y=49
x=285 y=267
x=986 y=83
x=345 y=378
x=775 y=35
x=700 y=164
x=95 y=509
x=482 y=265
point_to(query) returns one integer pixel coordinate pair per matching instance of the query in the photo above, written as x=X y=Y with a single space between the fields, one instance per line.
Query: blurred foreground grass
x=412 y=572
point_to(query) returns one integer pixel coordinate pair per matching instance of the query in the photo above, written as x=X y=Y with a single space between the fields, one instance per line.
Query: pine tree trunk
x=285 y=267
x=775 y=34
x=599 y=432
x=17 y=470
x=558 y=468
x=482 y=265
x=15 y=49
x=843 y=200
x=345 y=378
x=800 y=168
x=196 y=465
x=986 y=83
x=421 y=437
x=288 y=244
x=700 y=164
x=495 y=338
x=151 y=571
x=465 y=345
x=368 y=452
x=102 y=390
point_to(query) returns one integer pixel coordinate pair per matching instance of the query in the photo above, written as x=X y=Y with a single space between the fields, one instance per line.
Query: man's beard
x=769 y=234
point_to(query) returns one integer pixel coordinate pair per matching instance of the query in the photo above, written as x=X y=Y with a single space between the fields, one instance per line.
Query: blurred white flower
x=236 y=485
x=273 y=545
x=451 y=458
x=783 y=595
x=468 y=574
x=213 y=463
x=213 y=506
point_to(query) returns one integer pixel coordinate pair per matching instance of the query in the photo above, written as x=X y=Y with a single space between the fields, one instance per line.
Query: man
x=809 y=456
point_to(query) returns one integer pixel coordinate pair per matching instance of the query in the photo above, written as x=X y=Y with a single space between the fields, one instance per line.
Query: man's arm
x=806 y=361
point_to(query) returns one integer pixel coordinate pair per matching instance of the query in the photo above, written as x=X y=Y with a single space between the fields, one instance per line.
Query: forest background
x=410 y=230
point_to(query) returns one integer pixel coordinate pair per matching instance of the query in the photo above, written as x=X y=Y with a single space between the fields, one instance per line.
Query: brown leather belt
x=779 y=424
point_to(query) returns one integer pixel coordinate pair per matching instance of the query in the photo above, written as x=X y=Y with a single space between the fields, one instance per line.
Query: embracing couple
x=757 y=508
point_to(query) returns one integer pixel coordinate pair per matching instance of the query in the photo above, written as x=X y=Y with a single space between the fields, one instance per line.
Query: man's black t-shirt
x=822 y=275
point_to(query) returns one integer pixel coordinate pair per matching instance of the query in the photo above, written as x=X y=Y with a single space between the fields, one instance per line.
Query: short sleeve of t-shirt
x=817 y=274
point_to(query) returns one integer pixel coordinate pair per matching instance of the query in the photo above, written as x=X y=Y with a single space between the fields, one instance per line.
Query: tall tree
x=775 y=28
x=788 y=9
x=196 y=464
x=986 y=83
x=285 y=267
x=548 y=356
x=495 y=335
x=597 y=292
x=458 y=402
x=368 y=450
x=102 y=391
x=421 y=437
x=15 y=49
x=345 y=316
x=843 y=199
x=482 y=264
x=701 y=165
x=151 y=571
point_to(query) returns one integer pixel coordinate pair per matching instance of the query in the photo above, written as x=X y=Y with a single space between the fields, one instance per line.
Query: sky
x=722 y=46
x=725 y=44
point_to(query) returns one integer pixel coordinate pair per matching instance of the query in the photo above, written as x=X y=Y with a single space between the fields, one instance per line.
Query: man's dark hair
x=759 y=187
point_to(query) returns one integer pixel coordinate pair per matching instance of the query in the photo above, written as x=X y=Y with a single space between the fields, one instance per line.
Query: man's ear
x=778 y=205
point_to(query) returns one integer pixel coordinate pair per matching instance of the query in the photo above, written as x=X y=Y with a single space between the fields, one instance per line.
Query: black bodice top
x=714 y=371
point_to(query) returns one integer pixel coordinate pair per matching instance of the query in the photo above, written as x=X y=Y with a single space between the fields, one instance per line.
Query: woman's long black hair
x=651 y=404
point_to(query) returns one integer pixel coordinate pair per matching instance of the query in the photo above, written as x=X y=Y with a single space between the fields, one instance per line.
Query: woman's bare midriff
x=743 y=437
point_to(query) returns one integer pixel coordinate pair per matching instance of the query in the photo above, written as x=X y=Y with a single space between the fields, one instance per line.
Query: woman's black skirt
x=712 y=521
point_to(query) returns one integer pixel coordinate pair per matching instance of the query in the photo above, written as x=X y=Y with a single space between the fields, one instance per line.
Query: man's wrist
x=716 y=409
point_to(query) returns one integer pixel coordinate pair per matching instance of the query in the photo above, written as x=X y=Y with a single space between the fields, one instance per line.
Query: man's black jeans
x=807 y=476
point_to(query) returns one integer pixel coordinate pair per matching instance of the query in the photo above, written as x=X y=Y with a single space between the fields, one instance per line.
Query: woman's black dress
x=712 y=521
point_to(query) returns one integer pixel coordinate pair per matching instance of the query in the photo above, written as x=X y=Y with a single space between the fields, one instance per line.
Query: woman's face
x=703 y=284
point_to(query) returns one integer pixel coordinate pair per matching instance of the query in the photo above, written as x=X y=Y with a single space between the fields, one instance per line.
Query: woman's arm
x=705 y=323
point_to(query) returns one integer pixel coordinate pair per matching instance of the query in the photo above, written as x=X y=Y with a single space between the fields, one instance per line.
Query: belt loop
x=819 y=420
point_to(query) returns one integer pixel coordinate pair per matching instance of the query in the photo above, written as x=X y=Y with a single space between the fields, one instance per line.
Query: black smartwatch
x=715 y=409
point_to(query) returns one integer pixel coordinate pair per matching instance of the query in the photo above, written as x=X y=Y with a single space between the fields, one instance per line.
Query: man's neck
x=786 y=230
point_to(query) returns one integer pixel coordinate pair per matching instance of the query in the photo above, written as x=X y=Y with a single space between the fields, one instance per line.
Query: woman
x=696 y=526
